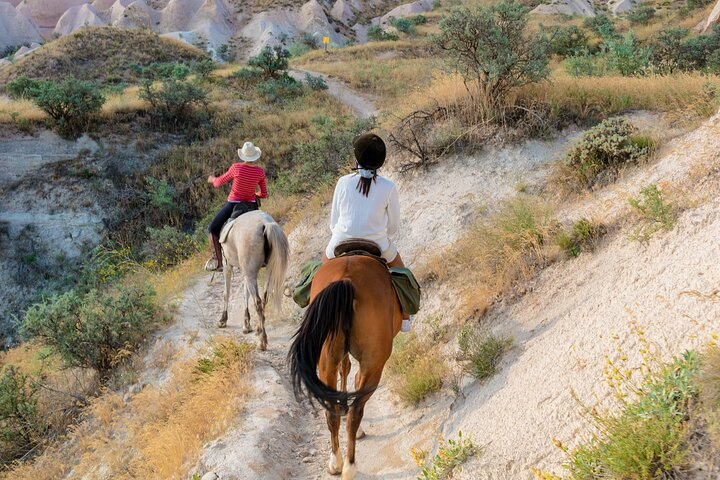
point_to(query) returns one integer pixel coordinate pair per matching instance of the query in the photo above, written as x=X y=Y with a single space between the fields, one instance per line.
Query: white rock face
x=342 y=11
x=566 y=7
x=406 y=10
x=314 y=20
x=360 y=33
x=16 y=28
x=46 y=13
x=620 y=6
x=714 y=17
x=76 y=18
x=102 y=5
x=134 y=15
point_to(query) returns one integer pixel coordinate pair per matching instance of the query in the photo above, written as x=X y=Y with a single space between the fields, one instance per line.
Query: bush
x=247 y=77
x=626 y=57
x=602 y=25
x=641 y=14
x=403 y=25
x=174 y=101
x=481 y=352
x=315 y=82
x=93 y=330
x=450 y=455
x=656 y=214
x=318 y=161
x=272 y=61
x=71 y=104
x=647 y=440
x=168 y=246
x=566 y=41
x=225 y=53
x=163 y=71
x=20 y=87
x=298 y=49
x=416 y=370
x=583 y=64
x=583 y=232
x=489 y=46
x=604 y=148
x=277 y=90
x=204 y=68
x=377 y=34
x=21 y=426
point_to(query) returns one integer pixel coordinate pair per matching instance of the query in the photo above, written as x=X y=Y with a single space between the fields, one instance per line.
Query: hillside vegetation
x=101 y=54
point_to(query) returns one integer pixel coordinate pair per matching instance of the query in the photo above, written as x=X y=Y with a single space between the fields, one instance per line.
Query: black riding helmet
x=369 y=151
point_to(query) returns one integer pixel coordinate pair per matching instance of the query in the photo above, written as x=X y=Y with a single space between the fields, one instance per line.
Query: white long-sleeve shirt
x=375 y=217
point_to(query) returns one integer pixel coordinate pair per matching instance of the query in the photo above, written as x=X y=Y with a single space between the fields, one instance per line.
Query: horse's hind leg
x=227 y=273
x=363 y=379
x=246 y=328
x=257 y=303
x=344 y=373
x=328 y=372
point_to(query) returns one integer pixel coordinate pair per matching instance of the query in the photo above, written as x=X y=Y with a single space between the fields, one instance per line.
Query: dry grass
x=709 y=382
x=13 y=111
x=416 y=367
x=160 y=432
x=496 y=252
x=126 y=102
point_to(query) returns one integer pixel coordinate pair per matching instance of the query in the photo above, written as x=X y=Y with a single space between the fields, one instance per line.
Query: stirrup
x=212 y=266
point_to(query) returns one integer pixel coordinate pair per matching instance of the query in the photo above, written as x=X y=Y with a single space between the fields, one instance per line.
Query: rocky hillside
x=225 y=28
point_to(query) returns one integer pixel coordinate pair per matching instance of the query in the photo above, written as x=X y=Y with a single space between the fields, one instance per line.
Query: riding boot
x=217 y=252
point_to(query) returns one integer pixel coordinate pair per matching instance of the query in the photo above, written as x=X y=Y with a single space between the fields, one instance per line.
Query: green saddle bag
x=406 y=286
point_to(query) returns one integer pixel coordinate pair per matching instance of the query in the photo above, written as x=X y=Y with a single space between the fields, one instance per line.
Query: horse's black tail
x=330 y=313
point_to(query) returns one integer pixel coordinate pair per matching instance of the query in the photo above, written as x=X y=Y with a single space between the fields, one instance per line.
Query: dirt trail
x=359 y=102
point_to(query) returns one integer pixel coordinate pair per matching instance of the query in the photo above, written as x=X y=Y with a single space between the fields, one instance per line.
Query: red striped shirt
x=246 y=178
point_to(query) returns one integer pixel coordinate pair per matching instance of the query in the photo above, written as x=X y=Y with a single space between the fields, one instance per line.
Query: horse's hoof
x=335 y=465
x=222 y=324
x=360 y=434
x=247 y=330
x=263 y=346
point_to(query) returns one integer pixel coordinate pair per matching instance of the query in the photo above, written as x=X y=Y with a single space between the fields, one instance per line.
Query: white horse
x=254 y=241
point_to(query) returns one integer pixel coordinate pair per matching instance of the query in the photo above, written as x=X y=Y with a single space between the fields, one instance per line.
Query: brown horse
x=354 y=310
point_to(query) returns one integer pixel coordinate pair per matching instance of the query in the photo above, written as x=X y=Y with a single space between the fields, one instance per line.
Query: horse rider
x=366 y=205
x=246 y=178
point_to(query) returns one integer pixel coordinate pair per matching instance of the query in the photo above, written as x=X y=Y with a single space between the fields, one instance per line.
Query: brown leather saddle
x=359 y=246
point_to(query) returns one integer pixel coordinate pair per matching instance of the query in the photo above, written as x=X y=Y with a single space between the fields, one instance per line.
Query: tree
x=70 y=103
x=273 y=61
x=490 y=46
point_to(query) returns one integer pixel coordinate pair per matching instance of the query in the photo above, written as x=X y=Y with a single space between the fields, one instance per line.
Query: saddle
x=359 y=246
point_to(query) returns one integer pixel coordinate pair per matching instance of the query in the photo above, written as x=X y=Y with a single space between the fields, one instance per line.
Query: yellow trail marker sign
x=326 y=40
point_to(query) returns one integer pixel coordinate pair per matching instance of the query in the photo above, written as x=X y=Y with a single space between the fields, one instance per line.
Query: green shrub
x=223 y=354
x=641 y=14
x=695 y=4
x=403 y=25
x=416 y=370
x=163 y=71
x=272 y=61
x=317 y=162
x=436 y=4
x=627 y=57
x=583 y=64
x=21 y=426
x=490 y=46
x=583 y=232
x=96 y=329
x=203 y=69
x=247 y=77
x=669 y=50
x=168 y=246
x=173 y=101
x=315 y=82
x=71 y=103
x=419 y=20
x=20 y=87
x=160 y=194
x=451 y=455
x=481 y=352
x=567 y=41
x=656 y=214
x=377 y=34
x=604 y=148
x=276 y=90
x=647 y=439
x=298 y=49
x=602 y=25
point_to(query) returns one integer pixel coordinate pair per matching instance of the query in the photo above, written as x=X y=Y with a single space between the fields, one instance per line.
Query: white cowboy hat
x=249 y=152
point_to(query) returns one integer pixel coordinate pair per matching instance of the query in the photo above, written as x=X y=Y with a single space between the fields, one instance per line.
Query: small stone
x=307 y=460
x=210 y=476
x=313 y=452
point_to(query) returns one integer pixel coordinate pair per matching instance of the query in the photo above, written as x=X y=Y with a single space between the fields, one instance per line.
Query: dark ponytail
x=364 y=184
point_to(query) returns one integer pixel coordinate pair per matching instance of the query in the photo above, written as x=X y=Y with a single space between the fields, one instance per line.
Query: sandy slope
x=574 y=314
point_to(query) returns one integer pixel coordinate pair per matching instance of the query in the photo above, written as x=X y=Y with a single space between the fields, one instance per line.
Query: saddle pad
x=226 y=230
x=357 y=244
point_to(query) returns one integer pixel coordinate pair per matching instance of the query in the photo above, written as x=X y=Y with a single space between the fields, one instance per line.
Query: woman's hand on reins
x=211 y=179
